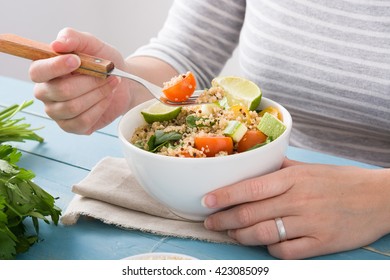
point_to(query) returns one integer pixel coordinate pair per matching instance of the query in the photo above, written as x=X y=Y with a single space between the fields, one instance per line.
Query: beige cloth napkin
x=111 y=194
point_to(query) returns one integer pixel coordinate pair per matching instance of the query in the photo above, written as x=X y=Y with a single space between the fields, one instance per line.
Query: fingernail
x=73 y=61
x=209 y=201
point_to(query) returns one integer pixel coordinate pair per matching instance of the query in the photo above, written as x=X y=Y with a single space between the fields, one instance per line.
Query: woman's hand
x=79 y=103
x=324 y=209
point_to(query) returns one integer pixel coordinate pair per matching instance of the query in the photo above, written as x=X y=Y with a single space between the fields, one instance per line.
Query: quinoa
x=175 y=80
x=212 y=94
x=194 y=121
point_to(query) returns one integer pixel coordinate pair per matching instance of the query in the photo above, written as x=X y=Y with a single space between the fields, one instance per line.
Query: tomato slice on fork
x=180 y=88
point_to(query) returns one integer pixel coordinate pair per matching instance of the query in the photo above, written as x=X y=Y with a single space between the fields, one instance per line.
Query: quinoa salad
x=210 y=130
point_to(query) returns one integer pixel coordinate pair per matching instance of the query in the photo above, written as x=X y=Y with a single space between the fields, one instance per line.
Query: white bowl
x=180 y=183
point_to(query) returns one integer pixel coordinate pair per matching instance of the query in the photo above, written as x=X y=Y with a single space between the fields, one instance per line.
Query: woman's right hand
x=79 y=103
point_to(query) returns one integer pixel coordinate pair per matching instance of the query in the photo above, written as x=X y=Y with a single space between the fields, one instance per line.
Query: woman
x=327 y=63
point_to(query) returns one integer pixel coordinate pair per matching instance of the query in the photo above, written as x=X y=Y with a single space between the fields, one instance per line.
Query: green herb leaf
x=161 y=138
x=13 y=129
x=194 y=121
x=7 y=238
x=20 y=199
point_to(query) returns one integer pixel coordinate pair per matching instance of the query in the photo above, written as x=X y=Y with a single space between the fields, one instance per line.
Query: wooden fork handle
x=33 y=50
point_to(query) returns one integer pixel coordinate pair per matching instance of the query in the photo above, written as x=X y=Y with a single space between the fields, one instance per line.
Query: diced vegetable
x=250 y=140
x=212 y=145
x=239 y=111
x=271 y=126
x=273 y=111
x=223 y=103
x=236 y=130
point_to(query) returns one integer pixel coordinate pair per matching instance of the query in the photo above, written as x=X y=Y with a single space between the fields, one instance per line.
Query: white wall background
x=125 y=24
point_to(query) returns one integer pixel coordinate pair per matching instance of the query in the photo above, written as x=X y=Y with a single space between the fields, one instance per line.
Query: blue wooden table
x=64 y=159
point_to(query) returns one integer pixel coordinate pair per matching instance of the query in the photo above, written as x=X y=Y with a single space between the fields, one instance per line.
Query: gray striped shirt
x=327 y=62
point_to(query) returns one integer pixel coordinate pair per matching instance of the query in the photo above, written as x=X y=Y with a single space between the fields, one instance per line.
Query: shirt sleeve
x=198 y=36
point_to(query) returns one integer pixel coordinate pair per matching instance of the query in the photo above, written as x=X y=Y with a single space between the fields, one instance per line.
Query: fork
x=90 y=65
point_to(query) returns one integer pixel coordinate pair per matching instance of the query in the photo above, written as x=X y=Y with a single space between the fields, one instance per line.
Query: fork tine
x=188 y=102
x=178 y=104
x=192 y=100
x=157 y=91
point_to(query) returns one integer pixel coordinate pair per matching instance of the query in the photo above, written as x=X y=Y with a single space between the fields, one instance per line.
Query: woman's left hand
x=324 y=209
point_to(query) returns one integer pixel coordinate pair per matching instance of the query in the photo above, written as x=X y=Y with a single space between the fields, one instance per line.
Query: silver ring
x=281 y=229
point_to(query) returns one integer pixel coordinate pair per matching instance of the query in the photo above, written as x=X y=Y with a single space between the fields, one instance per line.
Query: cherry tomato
x=180 y=88
x=250 y=139
x=212 y=145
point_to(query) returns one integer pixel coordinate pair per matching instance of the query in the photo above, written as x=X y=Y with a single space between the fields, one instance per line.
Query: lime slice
x=159 y=112
x=239 y=91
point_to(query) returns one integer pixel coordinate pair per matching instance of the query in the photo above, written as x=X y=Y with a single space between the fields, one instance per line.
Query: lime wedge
x=239 y=91
x=159 y=112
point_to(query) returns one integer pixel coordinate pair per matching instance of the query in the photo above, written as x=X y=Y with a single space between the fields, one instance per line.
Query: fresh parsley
x=12 y=129
x=20 y=197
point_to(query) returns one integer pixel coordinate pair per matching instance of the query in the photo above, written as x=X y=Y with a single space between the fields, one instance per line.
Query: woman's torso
x=329 y=64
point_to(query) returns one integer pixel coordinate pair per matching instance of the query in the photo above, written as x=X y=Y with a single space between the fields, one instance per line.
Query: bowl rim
x=287 y=119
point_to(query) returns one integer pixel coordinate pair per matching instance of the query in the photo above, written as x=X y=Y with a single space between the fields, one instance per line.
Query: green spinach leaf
x=161 y=138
